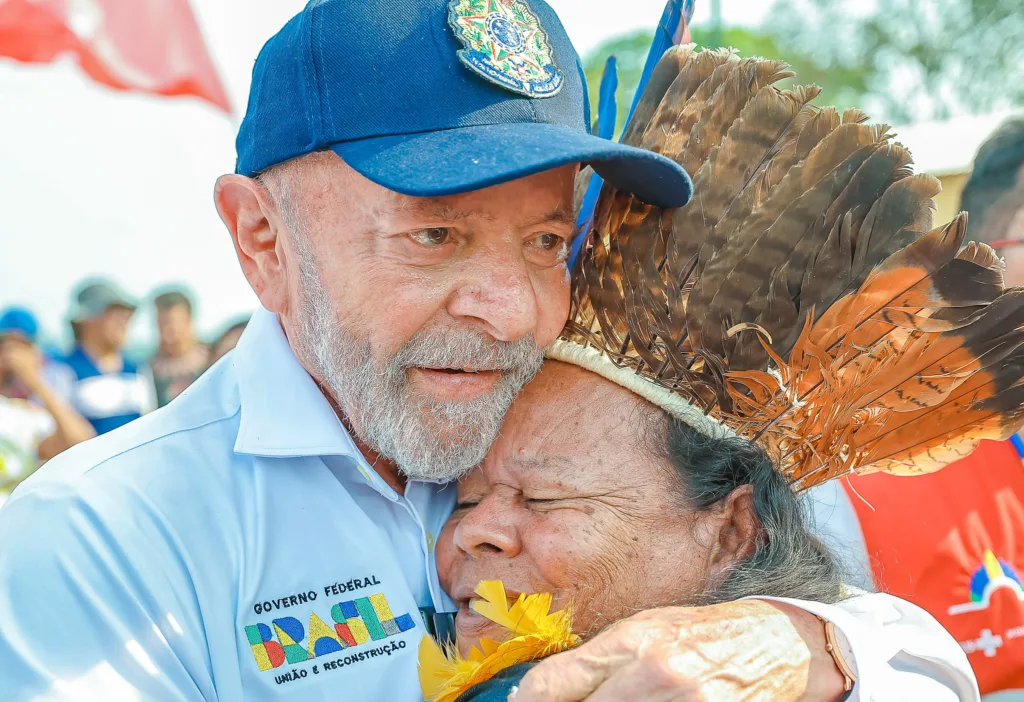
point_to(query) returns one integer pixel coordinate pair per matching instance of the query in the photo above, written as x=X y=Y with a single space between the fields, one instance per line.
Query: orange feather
x=803 y=297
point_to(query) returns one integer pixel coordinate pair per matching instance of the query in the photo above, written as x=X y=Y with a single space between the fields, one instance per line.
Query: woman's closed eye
x=542 y=504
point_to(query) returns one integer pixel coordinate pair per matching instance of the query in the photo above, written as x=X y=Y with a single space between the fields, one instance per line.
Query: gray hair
x=788 y=560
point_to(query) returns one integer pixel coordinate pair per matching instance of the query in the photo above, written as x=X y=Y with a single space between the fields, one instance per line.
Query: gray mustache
x=446 y=348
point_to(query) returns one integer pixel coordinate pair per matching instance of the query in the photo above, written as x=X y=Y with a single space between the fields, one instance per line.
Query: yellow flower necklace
x=534 y=633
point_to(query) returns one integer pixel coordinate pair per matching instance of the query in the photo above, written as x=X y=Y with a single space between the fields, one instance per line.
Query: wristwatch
x=839 y=648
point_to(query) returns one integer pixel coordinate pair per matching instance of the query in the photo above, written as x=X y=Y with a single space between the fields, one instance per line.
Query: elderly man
x=402 y=206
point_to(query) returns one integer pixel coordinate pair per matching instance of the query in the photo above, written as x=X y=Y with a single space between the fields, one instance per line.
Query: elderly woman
x=623 y=509
x=797 y=321
x=620 y=509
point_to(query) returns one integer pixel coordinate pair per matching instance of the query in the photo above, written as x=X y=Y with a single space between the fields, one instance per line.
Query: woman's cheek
x=564 y=548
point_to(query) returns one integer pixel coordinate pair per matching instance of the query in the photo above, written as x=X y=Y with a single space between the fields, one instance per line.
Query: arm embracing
x=900 y=651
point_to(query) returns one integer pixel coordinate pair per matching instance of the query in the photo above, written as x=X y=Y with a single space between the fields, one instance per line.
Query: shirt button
x=430 y=542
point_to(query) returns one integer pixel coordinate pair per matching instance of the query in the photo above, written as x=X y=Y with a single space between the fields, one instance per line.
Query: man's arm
x=760 y=650
x=85 y=612
x=900 y=651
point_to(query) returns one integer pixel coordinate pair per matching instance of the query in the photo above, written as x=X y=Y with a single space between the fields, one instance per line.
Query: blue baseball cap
x=20 y=321
x=436 y=97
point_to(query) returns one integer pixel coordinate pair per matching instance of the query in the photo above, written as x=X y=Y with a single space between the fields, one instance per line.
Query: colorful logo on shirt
x=352 y=623
x=993 y=574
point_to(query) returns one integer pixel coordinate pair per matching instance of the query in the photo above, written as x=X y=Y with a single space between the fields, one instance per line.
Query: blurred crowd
x=51 y=400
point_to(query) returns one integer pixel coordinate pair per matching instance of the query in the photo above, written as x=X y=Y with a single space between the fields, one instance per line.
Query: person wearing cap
x=36 y=423
x=402 y=207
x=107 y=387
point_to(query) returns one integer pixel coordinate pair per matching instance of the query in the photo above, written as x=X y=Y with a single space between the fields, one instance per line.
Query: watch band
x=832 y=645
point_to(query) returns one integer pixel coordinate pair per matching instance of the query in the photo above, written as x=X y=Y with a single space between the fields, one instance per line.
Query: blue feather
x=607 y=109
x=668 y=34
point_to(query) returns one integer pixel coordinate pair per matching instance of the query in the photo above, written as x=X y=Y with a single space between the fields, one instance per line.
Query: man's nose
x=487 y=530
x=498 y=295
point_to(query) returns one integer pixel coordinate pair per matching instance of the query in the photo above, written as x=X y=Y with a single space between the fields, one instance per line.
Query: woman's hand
x=737 y=651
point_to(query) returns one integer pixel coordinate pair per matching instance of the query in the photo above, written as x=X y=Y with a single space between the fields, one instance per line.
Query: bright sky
x=99 y=182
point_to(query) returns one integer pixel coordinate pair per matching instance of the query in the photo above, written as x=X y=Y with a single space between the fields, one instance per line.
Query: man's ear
x=251 y=217
x=737 y=532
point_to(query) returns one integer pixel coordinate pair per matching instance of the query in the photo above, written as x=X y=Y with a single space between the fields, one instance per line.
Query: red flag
x=152 y=46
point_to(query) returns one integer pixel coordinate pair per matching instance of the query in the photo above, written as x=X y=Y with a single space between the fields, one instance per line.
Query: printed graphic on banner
x=993 y=574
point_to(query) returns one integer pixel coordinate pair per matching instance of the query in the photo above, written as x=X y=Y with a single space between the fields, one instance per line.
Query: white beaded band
x=594 y=361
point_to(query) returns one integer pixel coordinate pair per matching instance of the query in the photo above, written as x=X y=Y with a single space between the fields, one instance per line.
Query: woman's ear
x=737 y=532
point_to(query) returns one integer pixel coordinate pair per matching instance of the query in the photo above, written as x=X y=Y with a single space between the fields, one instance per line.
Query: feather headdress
x=802 y=299
x=534 y=632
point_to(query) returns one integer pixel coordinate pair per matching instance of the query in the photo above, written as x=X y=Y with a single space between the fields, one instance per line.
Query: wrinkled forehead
x=570 y=424
x=322 y=182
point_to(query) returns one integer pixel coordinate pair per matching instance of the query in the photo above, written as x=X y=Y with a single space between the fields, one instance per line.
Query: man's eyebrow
x=445 y=212
x=559 y=215
x=436 y=208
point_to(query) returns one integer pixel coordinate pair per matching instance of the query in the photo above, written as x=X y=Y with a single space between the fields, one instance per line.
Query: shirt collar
x=284 y=413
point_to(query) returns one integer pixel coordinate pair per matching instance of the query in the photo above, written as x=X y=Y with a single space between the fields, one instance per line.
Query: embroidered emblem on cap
x=506 y=45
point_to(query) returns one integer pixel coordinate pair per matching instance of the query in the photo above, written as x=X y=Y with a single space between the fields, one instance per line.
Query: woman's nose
x=487 y=529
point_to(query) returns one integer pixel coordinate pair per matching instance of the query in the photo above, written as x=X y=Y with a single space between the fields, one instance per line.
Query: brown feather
x=662 y=78
x=670 y=128
x=803 y=297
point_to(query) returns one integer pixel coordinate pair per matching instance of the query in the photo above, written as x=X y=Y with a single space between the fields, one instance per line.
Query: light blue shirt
x=234 y=545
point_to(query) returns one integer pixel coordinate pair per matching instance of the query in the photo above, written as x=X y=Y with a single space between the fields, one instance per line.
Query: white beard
x=428 y=439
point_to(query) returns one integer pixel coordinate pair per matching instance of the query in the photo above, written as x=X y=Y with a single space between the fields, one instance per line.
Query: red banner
x=152 y=46
x=952 y=542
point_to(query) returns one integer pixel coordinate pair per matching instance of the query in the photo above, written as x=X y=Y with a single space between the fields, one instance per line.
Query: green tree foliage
x=900 y=60
x=922 y=58
x=843 y=86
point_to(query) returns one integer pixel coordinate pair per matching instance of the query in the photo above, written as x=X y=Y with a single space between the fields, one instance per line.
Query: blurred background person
x=108 y=388
x=994 y=197
x=180 y=357
x=964 y=557
x=227 y=340
x=36 y=422
x=18 y=323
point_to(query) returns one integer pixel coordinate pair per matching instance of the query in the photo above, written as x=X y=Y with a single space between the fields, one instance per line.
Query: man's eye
x=549 y=242
x=432 y=237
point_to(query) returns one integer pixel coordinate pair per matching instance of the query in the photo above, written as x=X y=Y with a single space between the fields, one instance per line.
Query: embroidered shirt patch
x=366 y=623
x=506 y=45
